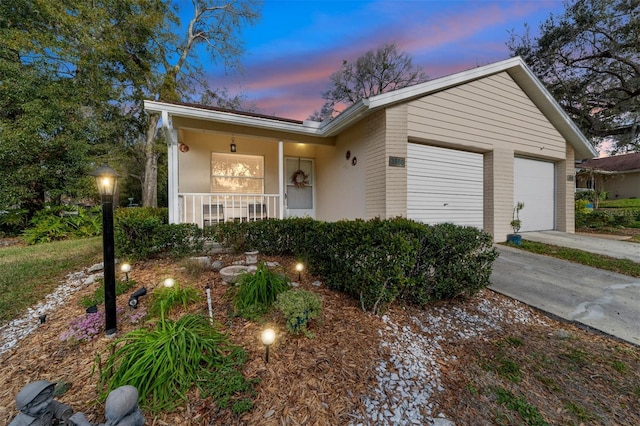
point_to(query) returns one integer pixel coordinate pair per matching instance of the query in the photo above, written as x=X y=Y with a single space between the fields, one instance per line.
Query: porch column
x=172 y=160
x=281 y=179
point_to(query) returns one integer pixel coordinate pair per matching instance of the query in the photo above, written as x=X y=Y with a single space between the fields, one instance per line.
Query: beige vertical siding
x=396 y=146
x=375 y=174
x=565 y=210
x=498 y=192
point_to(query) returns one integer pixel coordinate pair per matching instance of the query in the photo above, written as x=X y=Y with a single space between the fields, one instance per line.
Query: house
x=618 y=175
x=464 y=148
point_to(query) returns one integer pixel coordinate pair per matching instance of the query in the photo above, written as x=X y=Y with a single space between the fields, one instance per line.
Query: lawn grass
x=619 y=204
x=621 y=266
x=31 y=272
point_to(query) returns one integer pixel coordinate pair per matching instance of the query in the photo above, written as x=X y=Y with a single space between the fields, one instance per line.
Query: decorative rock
x=203 y=260
x=316 y=283
x=216 y=265
x=95 y=268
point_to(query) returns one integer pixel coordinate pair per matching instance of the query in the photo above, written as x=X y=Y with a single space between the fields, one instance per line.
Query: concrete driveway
x=603 y=300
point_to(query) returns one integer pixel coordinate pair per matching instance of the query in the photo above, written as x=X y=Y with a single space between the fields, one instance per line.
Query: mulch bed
x=319 y=381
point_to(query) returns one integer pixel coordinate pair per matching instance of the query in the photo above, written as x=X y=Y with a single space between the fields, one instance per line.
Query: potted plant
x=516 y=224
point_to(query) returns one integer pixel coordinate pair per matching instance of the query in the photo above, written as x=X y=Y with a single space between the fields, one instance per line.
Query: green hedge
x=143 y=232
x=375 y=261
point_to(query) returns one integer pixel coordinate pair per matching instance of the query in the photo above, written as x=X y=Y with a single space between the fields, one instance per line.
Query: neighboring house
x=618 y=175
x=464 y=148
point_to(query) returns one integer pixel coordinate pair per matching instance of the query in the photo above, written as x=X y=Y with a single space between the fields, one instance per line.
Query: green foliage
x=165 y=362
x=601 y=218
x=257 y=291
x=13 y=221
x=593 y=44
x=516 y=223
x=167 y=298
x=97 y=297
x=299 y=307
x=529 y=413
x=143 y=232
x=376 y=261
x=61 y=223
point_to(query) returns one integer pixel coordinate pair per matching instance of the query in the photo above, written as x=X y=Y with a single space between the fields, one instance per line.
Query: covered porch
x=228 y=171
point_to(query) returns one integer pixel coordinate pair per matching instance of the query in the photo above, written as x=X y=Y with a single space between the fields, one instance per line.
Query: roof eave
x=231 y=118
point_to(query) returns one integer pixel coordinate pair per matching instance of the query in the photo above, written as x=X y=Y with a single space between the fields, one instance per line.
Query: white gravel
x=408 y=379
x=19 y=328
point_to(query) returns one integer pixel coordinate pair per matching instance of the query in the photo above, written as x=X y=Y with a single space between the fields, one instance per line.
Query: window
x=237 y=174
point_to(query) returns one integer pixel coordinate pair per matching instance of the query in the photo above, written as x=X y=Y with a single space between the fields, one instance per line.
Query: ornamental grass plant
x=257 y=291
x=167 y=298
x=164 y=363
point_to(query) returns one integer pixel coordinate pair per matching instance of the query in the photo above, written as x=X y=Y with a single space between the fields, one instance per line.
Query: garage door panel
x=534 y=185
x=444 y=185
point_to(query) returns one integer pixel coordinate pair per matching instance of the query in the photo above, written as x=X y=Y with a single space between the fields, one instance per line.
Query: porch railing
x=206 y=209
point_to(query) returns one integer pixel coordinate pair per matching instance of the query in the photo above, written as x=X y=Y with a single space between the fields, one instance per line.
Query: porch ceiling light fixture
x=233 y=144
x=268 y=337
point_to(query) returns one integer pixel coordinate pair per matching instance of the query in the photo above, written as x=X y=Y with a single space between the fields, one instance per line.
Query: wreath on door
x=300 y=179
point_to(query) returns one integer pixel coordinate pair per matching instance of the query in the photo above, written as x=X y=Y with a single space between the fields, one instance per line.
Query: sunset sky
x=297 y=44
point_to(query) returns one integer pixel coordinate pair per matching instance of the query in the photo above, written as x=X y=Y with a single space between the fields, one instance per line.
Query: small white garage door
x=534 y=184
x=444 y=185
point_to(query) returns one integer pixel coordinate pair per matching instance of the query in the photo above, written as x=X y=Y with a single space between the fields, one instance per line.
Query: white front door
x=299 y=187
x=534 y=185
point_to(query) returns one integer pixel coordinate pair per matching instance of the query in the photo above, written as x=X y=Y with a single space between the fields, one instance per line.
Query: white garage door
x=444 y=185
x=534 y=184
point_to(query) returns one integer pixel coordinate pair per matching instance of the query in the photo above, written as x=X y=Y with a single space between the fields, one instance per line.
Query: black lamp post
x=106 y=178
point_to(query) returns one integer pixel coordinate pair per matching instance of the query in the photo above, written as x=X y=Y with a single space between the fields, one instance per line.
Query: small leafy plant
x=516 y=223
x=166 y=298
x=298 y=308
x=258 y=291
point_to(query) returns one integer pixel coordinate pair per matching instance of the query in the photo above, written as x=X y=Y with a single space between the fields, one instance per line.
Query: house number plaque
x=396 y=161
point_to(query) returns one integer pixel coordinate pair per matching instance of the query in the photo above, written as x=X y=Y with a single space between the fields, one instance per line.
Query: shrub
x=142 y=232
x=258 y=290
x=164 y=299
x=13 y=221
x=165 y=362
x=377 y=261
x=61 y=223
x=299 y=307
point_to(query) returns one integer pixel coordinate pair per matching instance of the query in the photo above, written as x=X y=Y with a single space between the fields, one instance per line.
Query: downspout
x=172 y=165
x=281 y=179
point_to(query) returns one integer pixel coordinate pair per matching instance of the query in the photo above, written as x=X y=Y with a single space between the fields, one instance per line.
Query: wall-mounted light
x=233 y=144
x=126 y=268
x=268 y=337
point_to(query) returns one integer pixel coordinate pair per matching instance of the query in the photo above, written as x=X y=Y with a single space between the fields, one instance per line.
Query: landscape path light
x=169 y=282
x=126 y=268
x=299 y=268
x=268 y=337
x=106 y=179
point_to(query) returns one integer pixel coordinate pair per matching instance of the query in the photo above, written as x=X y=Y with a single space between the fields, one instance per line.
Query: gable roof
x=515 y=67
x=616 y=163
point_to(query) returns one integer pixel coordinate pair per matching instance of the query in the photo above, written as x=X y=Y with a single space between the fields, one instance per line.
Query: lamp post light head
x=169 y=282
x=106 y=178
